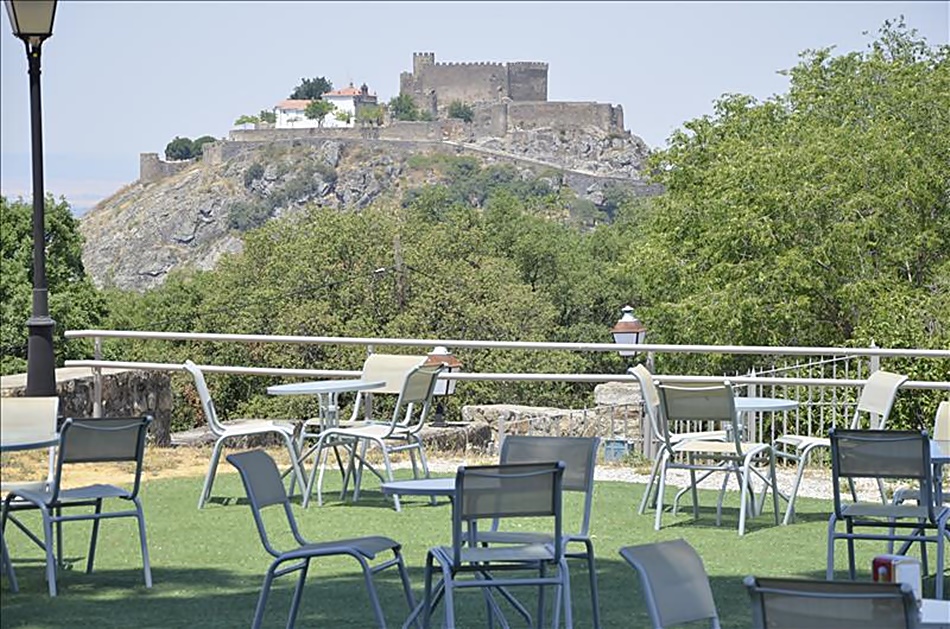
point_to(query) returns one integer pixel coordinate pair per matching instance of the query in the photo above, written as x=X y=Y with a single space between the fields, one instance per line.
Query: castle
x=433 y=86
x=509 y=102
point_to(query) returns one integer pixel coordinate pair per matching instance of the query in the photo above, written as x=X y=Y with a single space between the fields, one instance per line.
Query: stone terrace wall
x=565 y=115
x=125 y=393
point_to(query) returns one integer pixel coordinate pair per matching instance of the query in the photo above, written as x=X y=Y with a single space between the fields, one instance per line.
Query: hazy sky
x=122 y=78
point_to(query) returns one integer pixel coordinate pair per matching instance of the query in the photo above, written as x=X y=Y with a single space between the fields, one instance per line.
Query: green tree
x=343 y=116
x=179 y=148
x=370 y=115
x=818 y=217
x=199 y=143
x=403 y=107
x=318 y=110
x=461 y=111
x=245 y=120
x=74 y=303
x=311 y=89
x=267 y=116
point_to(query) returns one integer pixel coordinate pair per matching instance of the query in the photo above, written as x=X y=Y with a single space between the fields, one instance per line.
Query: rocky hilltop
x=194 y=216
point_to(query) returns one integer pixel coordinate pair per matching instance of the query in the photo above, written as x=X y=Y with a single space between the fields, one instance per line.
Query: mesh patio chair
x=490 y=492
x=940 y=432
x=735 y=457
x=877 y=398
x=112 y=440
x=25 y=421
x=223 y=433
x=675 y=584
x=399 y=434
x=262 y=482
x=651 y=405
x=800 y=603
x=579 y=455
x=878 y=455
x=390 y=369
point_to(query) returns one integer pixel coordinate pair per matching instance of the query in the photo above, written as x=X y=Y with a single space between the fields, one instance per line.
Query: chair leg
x=849 y=526
x=651 y=485
x=425 y=463
x=50 y=556
x=143 y=540
x=659 y=492
x=212 y=469
x=404 y=579
x=427 y=592
x=592 y=575
x=566 y=595
x=262 y=599
x=294 y=462
x=744 y=500
x=373 y=596
x=93 y=538
x=830 y=565
x=389 y=473
x=8 y=564
x=799 y=473
x=298 y=594
x=319 y=451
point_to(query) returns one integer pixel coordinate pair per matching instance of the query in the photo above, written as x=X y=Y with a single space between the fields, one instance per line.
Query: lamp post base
x=40 y=363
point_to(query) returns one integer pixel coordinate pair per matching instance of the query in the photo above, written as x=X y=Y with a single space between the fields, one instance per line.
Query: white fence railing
x=824 y=397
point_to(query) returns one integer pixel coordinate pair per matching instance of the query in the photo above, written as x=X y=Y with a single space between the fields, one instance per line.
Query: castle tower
x=420 y=60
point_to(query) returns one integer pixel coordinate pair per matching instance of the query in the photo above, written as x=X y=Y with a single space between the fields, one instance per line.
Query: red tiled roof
x=346 y=91
x=293 y=104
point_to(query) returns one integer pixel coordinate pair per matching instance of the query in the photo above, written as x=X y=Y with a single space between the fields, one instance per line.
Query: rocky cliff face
x=190 y=219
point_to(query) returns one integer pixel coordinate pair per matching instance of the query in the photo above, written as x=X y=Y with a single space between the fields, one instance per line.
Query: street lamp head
x=442 y=356
x=628 y=331
x=32 y=20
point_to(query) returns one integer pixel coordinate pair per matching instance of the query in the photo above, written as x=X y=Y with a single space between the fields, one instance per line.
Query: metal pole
x=40 y=362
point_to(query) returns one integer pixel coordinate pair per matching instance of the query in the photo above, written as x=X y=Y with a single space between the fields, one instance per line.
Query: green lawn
x=208 y=565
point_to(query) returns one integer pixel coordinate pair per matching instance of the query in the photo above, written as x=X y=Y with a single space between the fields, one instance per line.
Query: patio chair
x=940 y=432
x=399 y=434
x=243 y=428
x=798 y=603
x=675 y=584
x=112 y=440
x=738 y=457
x=25 y=421
x=651 y=405
x=579 y=455
x=506 y=492
x=877 y=398
x=262 y=482
x=878 y=455
x=390 y=369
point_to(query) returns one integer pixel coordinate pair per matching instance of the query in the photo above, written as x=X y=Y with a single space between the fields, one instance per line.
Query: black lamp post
x=32 y=21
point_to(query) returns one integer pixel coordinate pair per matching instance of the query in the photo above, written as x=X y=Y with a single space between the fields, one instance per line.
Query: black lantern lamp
x=443 y=386
x=32 y=21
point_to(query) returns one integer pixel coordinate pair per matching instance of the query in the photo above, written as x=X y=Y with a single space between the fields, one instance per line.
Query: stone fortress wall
x=507 y=98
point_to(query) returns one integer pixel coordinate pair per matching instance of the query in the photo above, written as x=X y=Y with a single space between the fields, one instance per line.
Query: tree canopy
x=311 y=89
x=318 y=110
x=74 y=303
x=818 y=217
x=179 y=149
x=404 y=108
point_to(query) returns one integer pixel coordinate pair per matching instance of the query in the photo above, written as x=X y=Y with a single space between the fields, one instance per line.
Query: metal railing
x=771 y=381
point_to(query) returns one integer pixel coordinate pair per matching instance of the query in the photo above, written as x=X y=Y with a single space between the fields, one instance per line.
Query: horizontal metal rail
x=532 y=377
x=526 y=345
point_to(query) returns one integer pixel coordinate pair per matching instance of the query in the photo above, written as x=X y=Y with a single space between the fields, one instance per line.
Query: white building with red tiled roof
x=291 y=114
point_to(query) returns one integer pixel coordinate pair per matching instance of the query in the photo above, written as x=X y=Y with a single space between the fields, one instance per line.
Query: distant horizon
x=665 y=63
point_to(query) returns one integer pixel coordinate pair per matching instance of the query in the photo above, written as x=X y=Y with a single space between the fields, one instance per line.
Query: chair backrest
x=415 y=397
x=877 y=454
x=102 y=440
x=674 y=581
x=651 y=398
x=941 y=429
x=391 y=369
x=797 y=603
x=716 y=402
x=26 y=420
x=264 y=488
x=515 y=490
x=204 y=395
x=877 y=398
x=579 y=455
